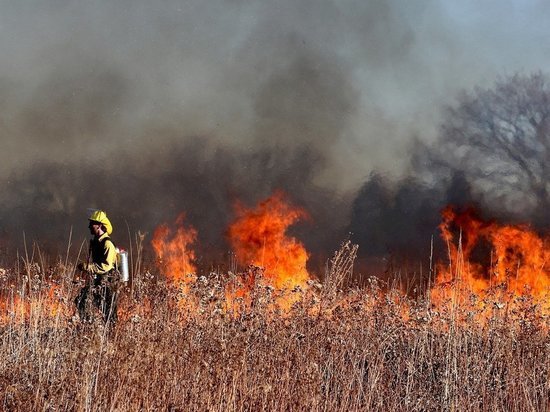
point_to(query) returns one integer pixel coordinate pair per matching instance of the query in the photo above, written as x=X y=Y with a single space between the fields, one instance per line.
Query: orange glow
x=47 y=305
x=515 y=270
x=258 y=237
x=173 y=250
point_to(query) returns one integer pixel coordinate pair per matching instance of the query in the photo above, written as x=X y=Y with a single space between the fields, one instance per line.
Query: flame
x=47 y=304
x=492 y=269
x=515 y=272
x=258 y=237
x=174 y=253
x=260 y=242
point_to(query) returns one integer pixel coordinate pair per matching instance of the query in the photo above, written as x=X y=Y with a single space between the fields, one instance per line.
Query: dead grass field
x=357 y=349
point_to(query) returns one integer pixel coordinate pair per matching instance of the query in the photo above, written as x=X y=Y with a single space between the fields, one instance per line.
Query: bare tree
x=499 y=138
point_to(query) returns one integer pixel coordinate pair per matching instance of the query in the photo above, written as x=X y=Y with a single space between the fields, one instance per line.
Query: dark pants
x=103 y=295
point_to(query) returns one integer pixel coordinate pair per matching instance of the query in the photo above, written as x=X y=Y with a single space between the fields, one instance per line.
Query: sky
x=307 y=96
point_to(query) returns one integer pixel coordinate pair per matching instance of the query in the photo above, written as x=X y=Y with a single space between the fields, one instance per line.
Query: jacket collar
x=103 y=236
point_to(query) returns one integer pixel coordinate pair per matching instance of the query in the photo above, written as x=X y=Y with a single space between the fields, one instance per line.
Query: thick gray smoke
x=149 y=109
x=396 y=223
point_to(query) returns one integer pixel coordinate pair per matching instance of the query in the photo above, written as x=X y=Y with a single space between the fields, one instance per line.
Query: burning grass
x=272 y=337
x=359 y=349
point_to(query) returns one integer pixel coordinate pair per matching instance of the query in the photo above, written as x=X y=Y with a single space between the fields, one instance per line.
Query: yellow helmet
x=101 y=217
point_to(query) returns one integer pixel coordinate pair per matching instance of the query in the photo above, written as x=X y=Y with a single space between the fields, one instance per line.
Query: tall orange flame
x=516 y=270
x=174 y=252
x=259 y=237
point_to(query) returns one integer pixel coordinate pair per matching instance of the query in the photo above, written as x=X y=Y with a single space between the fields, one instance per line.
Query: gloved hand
x=82 y=266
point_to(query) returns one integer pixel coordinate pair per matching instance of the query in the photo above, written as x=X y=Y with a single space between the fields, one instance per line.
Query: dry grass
x=364 y=350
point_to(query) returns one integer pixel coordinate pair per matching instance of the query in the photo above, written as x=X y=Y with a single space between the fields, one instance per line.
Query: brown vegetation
x=358 y=349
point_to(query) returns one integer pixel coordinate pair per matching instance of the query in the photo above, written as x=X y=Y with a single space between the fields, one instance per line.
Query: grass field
x=201 y=347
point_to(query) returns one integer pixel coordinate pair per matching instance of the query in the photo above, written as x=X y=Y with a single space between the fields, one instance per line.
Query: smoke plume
x=149 y=110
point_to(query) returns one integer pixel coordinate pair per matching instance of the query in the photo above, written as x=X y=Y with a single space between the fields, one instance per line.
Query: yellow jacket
x=102 y=255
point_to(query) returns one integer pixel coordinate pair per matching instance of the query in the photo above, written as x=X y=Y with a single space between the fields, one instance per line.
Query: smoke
x=147 y=110
x=398 y=221
x=139 y=193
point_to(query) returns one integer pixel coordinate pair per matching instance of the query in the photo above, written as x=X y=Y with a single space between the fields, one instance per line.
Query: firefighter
x=100 y=271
